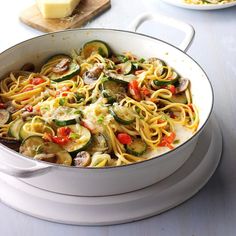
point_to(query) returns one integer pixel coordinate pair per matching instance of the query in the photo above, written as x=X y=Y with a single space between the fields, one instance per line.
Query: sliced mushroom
x=120 y=96
x=51 y=157
x=62 y=66
x=82 y=159
x=182 y=86
x=11 y=143
x=28 y=67
x=115 y=59
x=87 y=79
x=100 y=159
x=27 y=114
x=93 y=74
x=99 y=144
x=10 y=107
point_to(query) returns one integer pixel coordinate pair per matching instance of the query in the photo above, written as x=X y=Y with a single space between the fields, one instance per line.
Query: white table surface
x=213 y=210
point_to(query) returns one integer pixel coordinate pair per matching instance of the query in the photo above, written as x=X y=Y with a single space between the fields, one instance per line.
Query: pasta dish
x=208 y=1
x=95 y=108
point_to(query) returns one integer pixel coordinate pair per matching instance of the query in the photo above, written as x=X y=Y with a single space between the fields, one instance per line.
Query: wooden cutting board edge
x=27 y=18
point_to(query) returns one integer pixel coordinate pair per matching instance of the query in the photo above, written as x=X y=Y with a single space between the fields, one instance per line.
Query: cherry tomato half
x=37 y=81
x=124 y=138
x=63 y=131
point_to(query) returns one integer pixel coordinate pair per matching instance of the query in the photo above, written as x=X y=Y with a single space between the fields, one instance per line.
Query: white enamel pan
x=110 y=180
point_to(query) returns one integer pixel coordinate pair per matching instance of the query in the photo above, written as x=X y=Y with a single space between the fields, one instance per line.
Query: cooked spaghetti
x=202 y=2
x=96 y=108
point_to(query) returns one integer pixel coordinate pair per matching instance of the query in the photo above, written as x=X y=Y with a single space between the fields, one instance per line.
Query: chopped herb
x=77 y=112
x=138 y=110
x=110 y=66
x=74 y=136
x=62 y=101
x=104 y=79
x=142 y=60
x=176 y=141
x=122 y=58
x=163 y=117
x=100 y=119
x=46 y=108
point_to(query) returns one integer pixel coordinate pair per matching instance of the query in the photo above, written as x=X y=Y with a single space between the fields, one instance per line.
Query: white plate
x=181 y=3
x=162 y=196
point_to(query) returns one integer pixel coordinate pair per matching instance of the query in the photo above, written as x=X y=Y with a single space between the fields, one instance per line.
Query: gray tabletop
x=213 y=210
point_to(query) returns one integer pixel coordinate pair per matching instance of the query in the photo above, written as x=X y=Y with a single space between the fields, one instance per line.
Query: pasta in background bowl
x=208 y=1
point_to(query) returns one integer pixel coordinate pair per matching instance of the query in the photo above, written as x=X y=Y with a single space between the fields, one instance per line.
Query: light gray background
x=213 y=210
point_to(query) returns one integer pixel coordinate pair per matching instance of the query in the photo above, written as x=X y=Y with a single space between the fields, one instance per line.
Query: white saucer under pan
x=162 y=196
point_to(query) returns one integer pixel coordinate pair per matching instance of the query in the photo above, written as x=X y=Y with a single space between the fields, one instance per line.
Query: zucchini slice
x=109 y=95
x=64 y=122
x=61 y=155
x=137 y=148
x=40 y=127
x=66 y=116
x=5 y=116
x=80 y=139
x=113 y=90
x=125 y=79
x=125 y=68
x=14 y=128
x=122 y=114
x=113 y=86
x=37 y=148
x=179 y=98
x=99 y=144
x=96 y=46
x=29 y=146
x=65 y=71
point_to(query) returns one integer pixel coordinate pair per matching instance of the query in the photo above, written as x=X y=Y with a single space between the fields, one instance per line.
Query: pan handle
x=7 y=167
x=180 y=25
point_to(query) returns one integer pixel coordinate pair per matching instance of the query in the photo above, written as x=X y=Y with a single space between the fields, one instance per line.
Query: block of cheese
x=57 y=8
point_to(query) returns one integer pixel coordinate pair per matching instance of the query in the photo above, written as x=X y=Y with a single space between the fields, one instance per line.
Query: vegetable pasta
x=95 y=108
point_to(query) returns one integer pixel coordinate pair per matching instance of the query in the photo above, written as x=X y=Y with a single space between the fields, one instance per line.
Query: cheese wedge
x=57 y=8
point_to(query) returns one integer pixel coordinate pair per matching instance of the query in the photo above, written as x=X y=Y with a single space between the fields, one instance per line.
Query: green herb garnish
x=142 y=60
x=100 y=119
x=77 y=112
x=62 y=101
x=176 y=141
x=122 y=58
x=74 y=136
